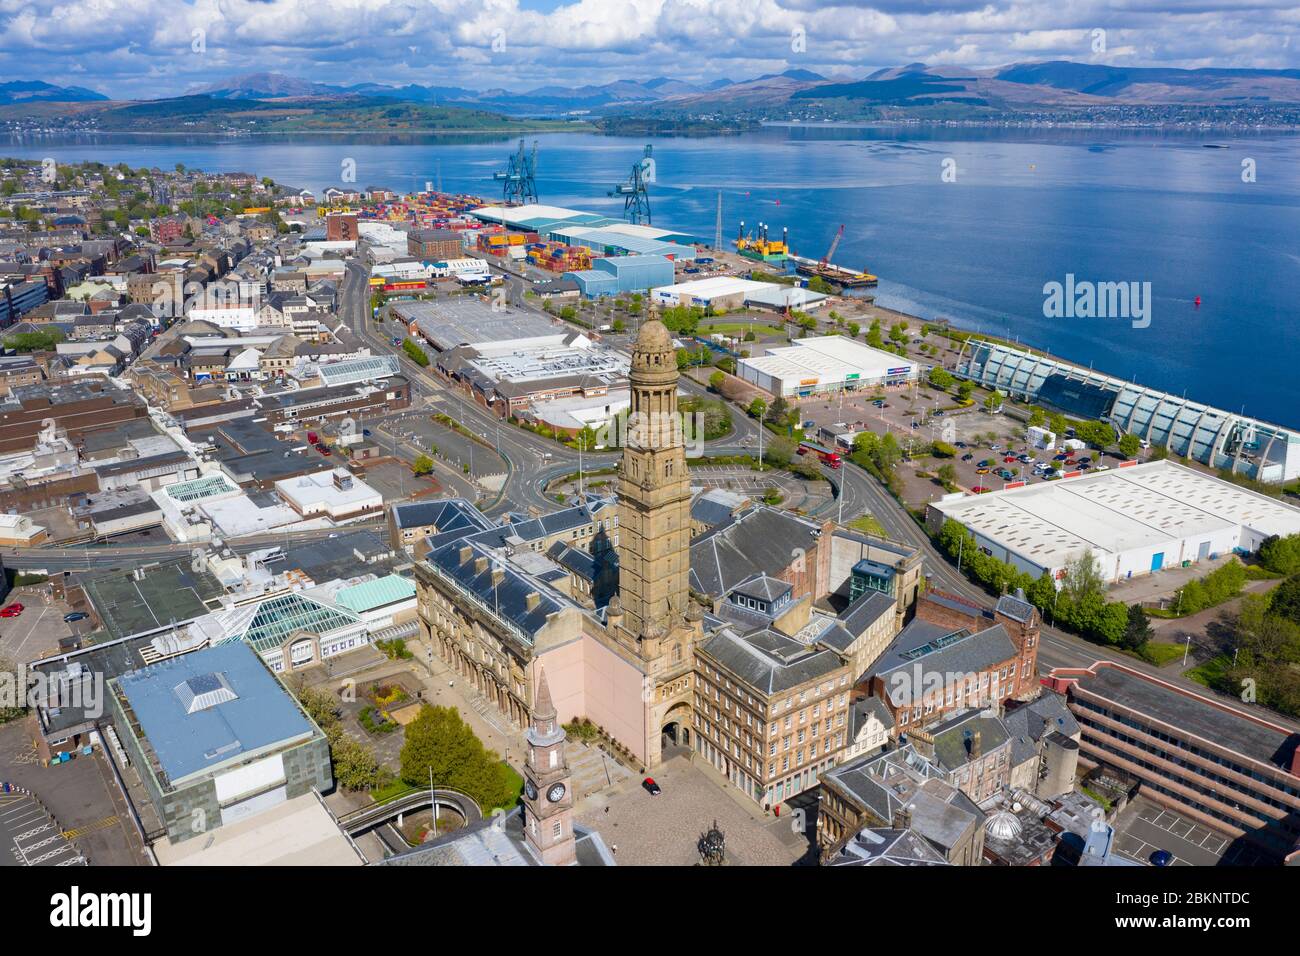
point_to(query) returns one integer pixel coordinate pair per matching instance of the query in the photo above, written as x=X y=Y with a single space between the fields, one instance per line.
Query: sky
x=141 y=49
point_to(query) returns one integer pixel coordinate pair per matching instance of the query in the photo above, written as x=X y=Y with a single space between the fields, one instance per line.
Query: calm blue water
x=1026 y=209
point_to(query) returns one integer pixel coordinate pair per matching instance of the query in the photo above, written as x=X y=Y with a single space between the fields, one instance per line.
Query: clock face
x=556 y=793
x=530 y=789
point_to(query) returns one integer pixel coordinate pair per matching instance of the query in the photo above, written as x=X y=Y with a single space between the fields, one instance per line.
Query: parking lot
x=35 y=633
x=1145 y=827
x=81 y=795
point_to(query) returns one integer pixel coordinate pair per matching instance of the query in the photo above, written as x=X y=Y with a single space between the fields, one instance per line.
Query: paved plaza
x=664 y=830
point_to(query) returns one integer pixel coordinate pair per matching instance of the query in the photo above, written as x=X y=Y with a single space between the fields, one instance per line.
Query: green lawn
x=1160 y=653
x=868 y=525
x=1209 y=672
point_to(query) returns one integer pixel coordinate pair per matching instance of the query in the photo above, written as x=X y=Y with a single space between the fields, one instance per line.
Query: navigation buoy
x=1198 y=301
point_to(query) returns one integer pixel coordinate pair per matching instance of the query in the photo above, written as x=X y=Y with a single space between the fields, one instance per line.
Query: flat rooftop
x=298 y=832
x=1193 y=714
x=829 y=357
x=129 y=602
x=1115 y=511
x=469 y=320
x=206 y=710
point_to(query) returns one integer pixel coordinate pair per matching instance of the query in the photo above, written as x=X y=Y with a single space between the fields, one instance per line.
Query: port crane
x=835 y=244
x=519 y=180
x=636 y=197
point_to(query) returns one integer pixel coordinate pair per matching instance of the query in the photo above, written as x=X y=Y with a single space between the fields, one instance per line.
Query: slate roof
x=446 y=514
x=1030 y=723
x=763 y=587
x=941 y=650
x=769 y=660
x=870 y=606
x=508 y=601
x=1016 y=608
x=900 y=778
x=573 y=559
x=888 y=847
x=760 y=541
x=861 y=711
x=953 y=739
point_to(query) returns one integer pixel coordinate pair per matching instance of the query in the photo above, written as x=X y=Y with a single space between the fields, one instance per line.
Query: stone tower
x=654 y=492
x=548 y=802
x=653 y=610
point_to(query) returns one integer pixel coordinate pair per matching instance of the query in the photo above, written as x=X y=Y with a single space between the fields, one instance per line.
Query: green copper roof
x=372 y=594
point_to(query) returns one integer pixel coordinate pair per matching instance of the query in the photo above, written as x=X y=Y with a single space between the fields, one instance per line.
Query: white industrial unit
x=1135 y=519
x=825 y=363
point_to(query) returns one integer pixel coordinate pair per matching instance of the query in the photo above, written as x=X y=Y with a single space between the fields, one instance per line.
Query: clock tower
x=548 y=802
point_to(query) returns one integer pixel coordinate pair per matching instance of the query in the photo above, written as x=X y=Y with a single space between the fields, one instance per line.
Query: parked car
x=1161 y=858
x=986 y=463
x=323 y=449
x=980 y=489
x=13 y=610
x=960 y=444
x=981 y=471
x=967 y=457
x=73 y=616
x=651 y=787
x=1009 y=458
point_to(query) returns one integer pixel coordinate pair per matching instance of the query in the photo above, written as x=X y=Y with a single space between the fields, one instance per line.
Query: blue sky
x=132 y=49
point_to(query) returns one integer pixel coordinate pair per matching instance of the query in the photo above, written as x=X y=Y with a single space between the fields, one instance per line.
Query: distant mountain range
x=544 y=99
x=912 y=89
x=34 y=91
x=1059 y=87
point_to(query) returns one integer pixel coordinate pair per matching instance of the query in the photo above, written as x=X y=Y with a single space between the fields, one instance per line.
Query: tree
x=1037 y=417
x=994 y=401
x=1137 y=630
x=947 y=474
x=1281 y=555
x=1130 y=445
x=1285 y=599
x=941 y=378
x=585 y=440
x=1057 y=424
x=1095 y=433
x=964 y=390
x=854 y=329
x=422 y=465
x=1083 y=579
x=757 y=408
x=440 y=743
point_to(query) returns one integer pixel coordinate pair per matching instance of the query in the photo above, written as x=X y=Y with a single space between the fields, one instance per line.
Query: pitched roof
x=760 y=541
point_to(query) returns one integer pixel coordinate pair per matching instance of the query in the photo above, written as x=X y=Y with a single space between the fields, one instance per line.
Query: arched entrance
x=676 y=731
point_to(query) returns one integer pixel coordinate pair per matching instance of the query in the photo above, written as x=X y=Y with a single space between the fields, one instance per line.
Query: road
x=532 y=461
x=106 y=557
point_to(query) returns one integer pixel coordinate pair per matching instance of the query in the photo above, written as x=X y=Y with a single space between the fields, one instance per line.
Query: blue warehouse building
x=617 y=274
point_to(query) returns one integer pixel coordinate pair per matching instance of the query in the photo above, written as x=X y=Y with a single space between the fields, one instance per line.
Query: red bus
x=828 y=457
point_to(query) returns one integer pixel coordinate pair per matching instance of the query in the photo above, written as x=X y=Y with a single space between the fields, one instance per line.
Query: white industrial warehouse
x=1136 y=519
x=825 y=363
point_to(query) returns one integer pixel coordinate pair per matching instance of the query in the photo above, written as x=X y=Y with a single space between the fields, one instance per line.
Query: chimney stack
x=976 y=747
x=903 y=818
